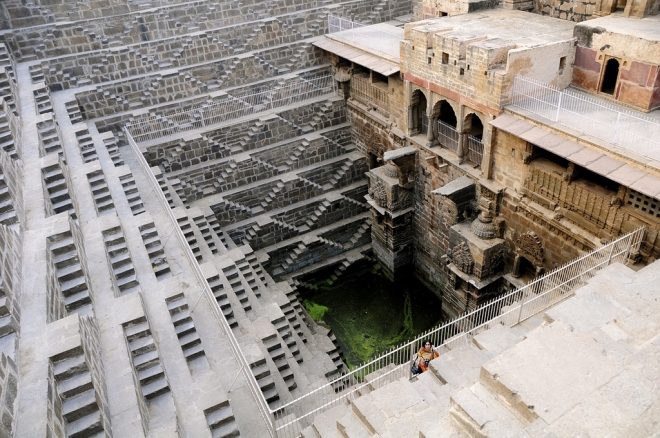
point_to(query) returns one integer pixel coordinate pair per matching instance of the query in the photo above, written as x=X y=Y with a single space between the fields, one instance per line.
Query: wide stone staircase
x=585 y=367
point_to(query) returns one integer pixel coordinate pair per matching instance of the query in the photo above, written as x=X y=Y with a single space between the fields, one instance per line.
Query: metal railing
x=367 y=36
x=447 y=136
x=206 y=292
x=510 y=309
x=635 y=132
x=475 y=150
x=153 y=127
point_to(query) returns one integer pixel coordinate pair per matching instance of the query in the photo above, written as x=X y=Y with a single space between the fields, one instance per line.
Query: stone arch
x=473 y=124
x=530 y=248
x=446 y=111
x=418 y=119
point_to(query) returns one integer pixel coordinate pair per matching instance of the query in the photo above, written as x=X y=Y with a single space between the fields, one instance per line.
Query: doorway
x=610 y=77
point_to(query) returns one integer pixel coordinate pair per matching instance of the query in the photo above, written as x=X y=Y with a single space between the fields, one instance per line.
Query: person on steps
x=425 y=355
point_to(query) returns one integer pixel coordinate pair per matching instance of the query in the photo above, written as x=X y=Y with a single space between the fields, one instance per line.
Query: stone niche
x=391 y=200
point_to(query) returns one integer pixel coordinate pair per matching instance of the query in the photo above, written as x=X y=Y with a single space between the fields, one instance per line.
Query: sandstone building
x=172 y=170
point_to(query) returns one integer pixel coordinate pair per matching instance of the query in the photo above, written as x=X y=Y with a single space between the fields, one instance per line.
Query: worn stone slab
x=497 y=339
x=325 y=423
x=473 y=407
x=552 y=370
x=367 y=411
x=586 y=311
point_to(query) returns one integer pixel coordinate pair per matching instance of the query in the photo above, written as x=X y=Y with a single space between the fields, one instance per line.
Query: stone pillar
x=462 y=137
x=486 y=162
x=430 y=134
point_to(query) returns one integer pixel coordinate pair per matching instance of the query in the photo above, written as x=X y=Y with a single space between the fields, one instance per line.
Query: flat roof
x=647 y=28
x=502 y=27
x=375 y=47
x=357 y=56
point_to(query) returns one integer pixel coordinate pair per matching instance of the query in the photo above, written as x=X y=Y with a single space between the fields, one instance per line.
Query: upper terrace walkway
x=602 y=121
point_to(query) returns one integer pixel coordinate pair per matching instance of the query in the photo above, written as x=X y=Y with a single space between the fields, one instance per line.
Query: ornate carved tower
x=391 y=199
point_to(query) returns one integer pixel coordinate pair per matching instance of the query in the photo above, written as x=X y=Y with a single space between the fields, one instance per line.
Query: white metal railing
x=475 y=150
x=206 y=292
x=635 y=132
x=364 y=35
x=153 y=127
x=510 y=309
x=447 y=136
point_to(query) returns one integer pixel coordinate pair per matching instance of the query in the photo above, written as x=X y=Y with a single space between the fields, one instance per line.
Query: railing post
x=558 y=106
x=522 y=302
x=616 y=127
x=609 y=258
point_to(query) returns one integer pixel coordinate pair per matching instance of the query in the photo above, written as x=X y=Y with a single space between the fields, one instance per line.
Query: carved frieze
x=462 y=258
x=529 y=246
x=379 y=194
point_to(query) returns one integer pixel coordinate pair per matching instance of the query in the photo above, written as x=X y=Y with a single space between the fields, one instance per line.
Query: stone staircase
x=100 y=192
x=132 y=194
x=7 y=213
x=221 y=421
x=146 y=361
x=69 y=272
x=191 y=344
x=155 y=251
x=57 y=188
x=86 y=146
x=7 y=137
x=125 y=277
x=75 y=388
x=581 y=368
x=49 y=139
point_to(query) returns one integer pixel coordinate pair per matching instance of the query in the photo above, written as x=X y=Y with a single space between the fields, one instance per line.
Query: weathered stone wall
x=11 y=265
x=542 y=201
x=571 y=10
x=89 y=337
x=426 y=9
x=434 y=216
x=9 y=391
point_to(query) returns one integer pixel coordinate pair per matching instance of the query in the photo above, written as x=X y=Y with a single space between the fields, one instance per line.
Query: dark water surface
x=369 y=313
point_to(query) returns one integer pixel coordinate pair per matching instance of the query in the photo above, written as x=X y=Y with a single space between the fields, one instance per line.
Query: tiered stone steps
x=42 y=99
x=75 y=389
x=145 y=359
x=155 y=251
x=119 y=257
x=113 y=150
x=234 y=277
x=7 y=213
x=49 y=139
x=184 y=326
x=100 y=193
x=86 y=145
x=7 y=137
x=68 y=271
x=186 y=228
x=221 y=421
x=220 y=295
x=132 y=194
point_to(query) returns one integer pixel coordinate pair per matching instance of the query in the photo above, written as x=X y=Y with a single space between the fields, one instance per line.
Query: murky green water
x=369 y=313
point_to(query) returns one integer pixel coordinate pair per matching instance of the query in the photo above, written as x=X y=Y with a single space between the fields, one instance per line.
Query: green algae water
x=369 y=313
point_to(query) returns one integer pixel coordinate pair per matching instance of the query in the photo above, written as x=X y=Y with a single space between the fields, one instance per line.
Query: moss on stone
x=316 y=311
